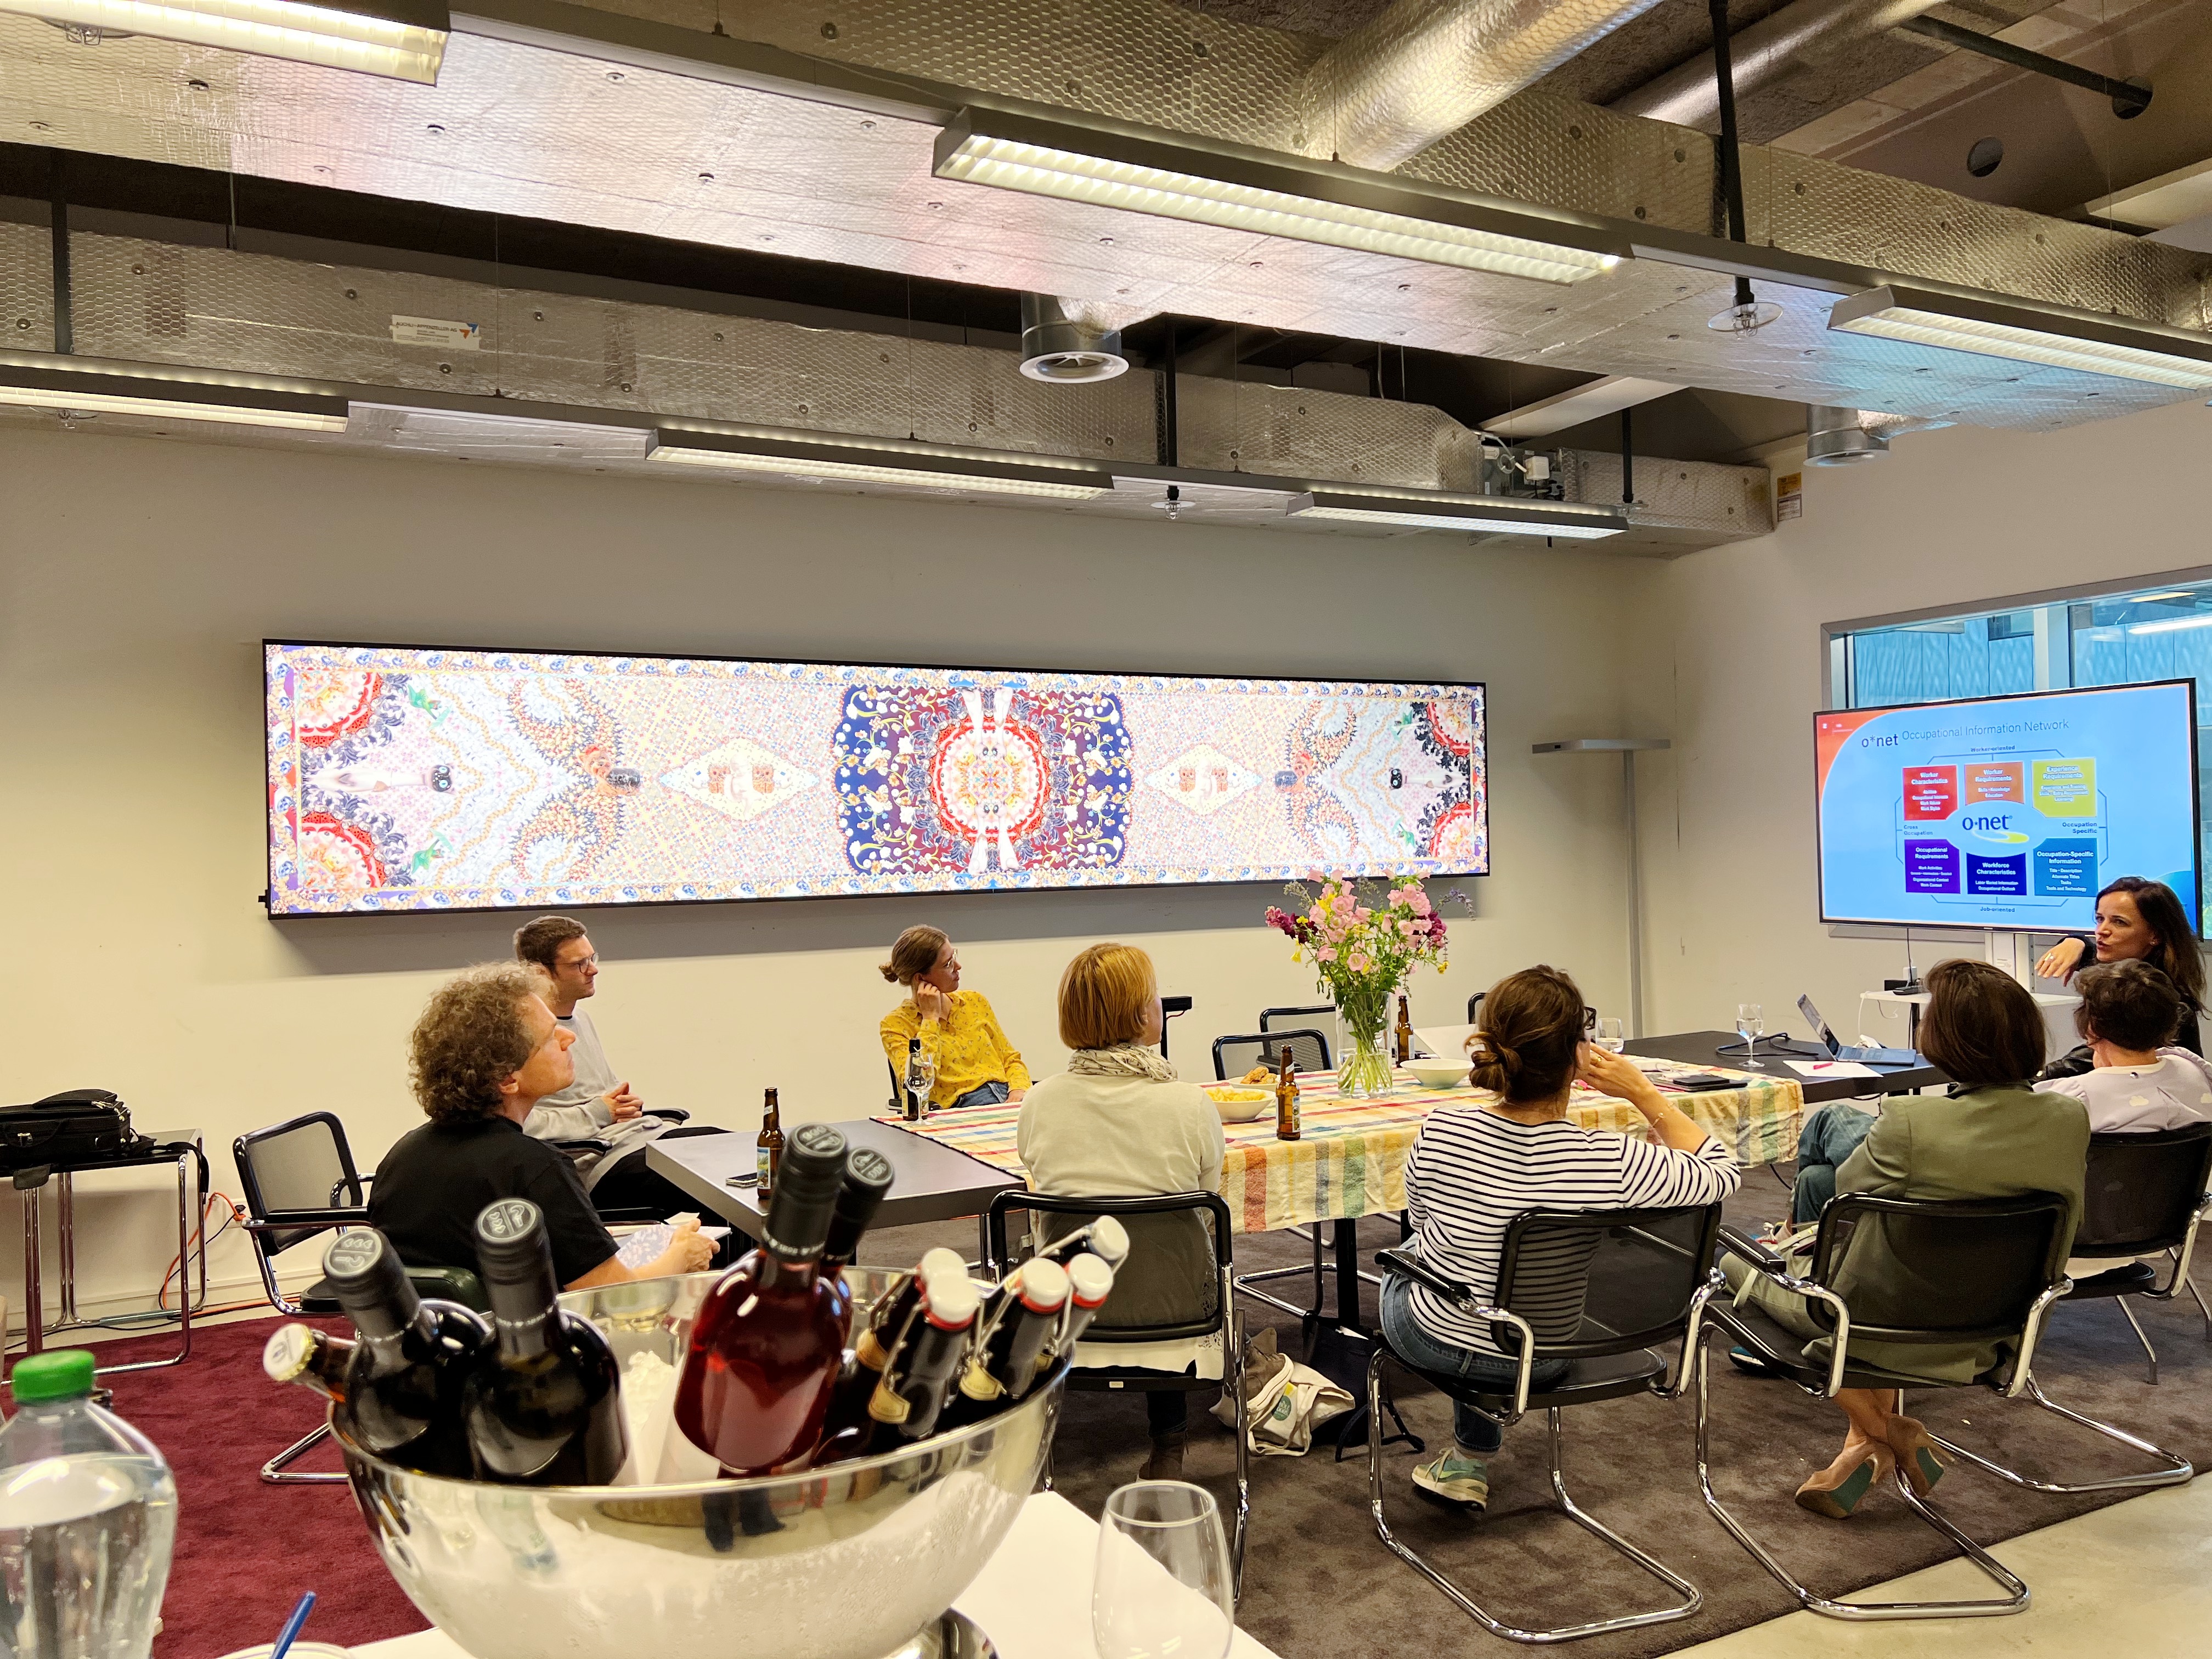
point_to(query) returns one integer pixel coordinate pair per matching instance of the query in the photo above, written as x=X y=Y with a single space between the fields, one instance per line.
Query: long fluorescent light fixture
x=99 y=392
x=401 y=40
x=1250 y=189
x=855 y=462
x=2170 y=624
x=2029 y=334
x=1503 y=514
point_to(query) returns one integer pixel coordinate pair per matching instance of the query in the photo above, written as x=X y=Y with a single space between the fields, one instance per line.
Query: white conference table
x=1032 y=1598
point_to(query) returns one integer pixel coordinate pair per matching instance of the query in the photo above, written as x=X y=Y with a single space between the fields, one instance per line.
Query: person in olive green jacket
x=1991 y=1136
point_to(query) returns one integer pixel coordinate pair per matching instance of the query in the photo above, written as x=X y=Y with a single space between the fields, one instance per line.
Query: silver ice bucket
x=860 y=1560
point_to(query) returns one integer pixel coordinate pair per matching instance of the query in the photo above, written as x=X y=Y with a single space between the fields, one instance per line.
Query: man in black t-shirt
x=487 y=1049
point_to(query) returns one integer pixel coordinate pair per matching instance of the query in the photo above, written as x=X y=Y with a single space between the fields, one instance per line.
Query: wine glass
x=1611 y=1035
x=1750 y=1021
x=1164 y=1588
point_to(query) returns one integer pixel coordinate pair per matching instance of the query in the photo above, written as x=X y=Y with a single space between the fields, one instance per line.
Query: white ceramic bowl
x=1241 y=1111
x=1438 y=1073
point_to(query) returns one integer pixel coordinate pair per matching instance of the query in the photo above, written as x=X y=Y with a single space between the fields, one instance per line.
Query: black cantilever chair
x=2145 y=1196
x=1646 y=1283
x=1984 y=1269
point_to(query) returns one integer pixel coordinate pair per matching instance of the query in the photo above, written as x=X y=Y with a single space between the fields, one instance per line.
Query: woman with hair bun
x=975 y=1064
x=1474 y=1168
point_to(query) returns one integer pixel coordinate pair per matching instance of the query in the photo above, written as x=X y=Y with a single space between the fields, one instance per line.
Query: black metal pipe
x=1627 y=459
x=2127 y=98
x=1731 y=158
x=57 y=200
x=1171 y=447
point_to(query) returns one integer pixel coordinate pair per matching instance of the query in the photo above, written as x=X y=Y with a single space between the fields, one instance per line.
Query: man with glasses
x=598 y=1105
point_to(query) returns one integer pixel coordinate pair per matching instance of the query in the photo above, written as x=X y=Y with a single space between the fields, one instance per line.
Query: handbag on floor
x=1285 y=1401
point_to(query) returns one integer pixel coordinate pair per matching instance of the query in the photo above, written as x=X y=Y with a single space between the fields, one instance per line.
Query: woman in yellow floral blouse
x=975 y=1064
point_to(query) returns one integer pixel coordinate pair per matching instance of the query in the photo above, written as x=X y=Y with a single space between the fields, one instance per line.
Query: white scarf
x=1123 y=1059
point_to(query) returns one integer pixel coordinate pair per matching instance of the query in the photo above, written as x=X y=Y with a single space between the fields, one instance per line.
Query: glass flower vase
x=1363 y=1068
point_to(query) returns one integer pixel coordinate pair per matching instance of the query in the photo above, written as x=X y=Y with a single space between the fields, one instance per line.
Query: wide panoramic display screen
x=2007 y=812
x=405 y=778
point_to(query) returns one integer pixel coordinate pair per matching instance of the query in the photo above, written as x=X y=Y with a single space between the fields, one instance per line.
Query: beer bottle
x=1286 y=1099
x=770 y=1148
x=1405 y=1028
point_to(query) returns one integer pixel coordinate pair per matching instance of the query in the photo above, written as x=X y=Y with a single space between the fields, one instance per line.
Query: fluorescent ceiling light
x=2171 y=624
x=1504 y=514
x=2025 y=333
x=2152 y=598
x=103 y=392
x=851 y=462
x=403 y=39
x=1239 y=189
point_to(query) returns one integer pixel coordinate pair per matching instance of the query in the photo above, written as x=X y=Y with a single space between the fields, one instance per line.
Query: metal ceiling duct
x=1392 y=88
x=1065 y=343
x=1837 y=437
x=1764 y=53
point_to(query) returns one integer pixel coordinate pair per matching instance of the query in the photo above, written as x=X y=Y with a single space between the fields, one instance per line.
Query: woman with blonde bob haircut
x=1119 y=1123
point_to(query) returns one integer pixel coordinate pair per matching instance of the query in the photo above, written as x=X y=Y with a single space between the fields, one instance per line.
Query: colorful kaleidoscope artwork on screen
x=405 y=778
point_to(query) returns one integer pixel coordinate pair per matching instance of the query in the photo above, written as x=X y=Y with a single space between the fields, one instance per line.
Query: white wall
x=140 y=576
x=1731 y=660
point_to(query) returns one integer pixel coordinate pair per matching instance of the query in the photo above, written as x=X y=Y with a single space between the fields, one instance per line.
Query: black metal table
x=1702 y=1048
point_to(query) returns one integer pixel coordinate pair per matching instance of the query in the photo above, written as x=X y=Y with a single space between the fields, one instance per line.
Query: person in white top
x=1119 y=1123
x=2141 y=1082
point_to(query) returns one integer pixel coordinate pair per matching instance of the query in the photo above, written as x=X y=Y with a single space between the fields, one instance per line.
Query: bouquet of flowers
x=1362 y=940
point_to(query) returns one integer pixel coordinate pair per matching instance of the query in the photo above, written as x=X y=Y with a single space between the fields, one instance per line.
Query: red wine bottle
x=868 y=1176
x=405 y=1381
x=908 y=1400
x=543 y=1404
x=769 y=1338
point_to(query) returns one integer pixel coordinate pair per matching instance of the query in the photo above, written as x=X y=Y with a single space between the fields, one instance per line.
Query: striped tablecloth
x=1350 y=1157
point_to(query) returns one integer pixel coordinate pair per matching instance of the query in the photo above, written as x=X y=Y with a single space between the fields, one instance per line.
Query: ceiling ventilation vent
x=1063 y=344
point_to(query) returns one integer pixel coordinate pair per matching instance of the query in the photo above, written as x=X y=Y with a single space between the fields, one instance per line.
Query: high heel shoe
x=1837 y=1490
x=1914 y=1449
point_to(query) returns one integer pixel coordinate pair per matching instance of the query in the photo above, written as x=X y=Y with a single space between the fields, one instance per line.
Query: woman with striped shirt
x=1476 y=1167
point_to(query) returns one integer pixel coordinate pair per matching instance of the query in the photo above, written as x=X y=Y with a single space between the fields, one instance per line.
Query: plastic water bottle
x=87 y=1517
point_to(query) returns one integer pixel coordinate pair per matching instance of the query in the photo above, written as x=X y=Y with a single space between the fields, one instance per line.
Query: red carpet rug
x=245 y=1550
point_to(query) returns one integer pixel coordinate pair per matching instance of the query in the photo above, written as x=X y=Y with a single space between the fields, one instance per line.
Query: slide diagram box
x=1931 y=793
x=1996 y=781
x=1931 y=866
x=2066 y=869
x=2066 y=788
x=2002 y=877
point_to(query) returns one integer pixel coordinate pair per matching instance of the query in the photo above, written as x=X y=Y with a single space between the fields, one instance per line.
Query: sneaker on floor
x=1455 y=1478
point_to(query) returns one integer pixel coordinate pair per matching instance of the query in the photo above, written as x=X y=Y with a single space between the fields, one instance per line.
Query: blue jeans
x=983 y=1094
x=1830 y=1135
x=1414 y=1344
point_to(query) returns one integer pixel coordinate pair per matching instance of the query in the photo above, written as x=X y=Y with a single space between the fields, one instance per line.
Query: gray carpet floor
x=1317 y=1581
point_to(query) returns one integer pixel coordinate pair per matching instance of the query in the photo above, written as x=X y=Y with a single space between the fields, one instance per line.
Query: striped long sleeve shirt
x=1472 y=1171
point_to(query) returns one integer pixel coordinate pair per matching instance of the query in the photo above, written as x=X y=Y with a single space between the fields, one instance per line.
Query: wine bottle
x=405 y=1381
x=1002 y=1364
x=1286 y=1099
x=769 y=1339
x=907 y=1401
x=543 y=1404
x=767 y=1145
x=868 y=1176
x=314 y=1360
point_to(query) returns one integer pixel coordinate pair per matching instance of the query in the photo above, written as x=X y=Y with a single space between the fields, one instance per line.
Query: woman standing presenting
x=975 y=1064
x=2137 y=920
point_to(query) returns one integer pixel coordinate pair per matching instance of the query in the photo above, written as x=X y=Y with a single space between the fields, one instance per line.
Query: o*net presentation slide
x=2006 y=812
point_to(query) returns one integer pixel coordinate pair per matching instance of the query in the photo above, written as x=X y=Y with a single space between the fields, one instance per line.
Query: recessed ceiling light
x=823 y=457
x=1417 y=510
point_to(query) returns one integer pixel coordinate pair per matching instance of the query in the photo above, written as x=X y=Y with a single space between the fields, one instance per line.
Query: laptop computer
x=1839 y=1050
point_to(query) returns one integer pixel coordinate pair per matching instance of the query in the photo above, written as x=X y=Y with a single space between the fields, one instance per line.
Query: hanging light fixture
x=2025 y=332
x=1493 y=514
x=1254 y=191
x=916 y=466
x=149 y=389
x=402 y=39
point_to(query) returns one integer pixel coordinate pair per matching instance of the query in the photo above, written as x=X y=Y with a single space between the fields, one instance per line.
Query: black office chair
x=299 y=1180
x=1308 y=1052
x=1985 y=1269
x=2145 y=1196
x=635 y=1215
x=1300 y=1018
x=1646 y=1284
x=1152 y=1216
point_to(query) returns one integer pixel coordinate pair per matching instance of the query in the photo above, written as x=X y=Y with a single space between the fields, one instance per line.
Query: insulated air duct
x=1837 y=437
x=1764 y=53
x=1392 y=88
x=1065 y=343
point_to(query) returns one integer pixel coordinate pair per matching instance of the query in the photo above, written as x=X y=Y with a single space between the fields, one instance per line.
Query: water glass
x=1166 y=1588
x=1611 y=1035
x=1750 y=1021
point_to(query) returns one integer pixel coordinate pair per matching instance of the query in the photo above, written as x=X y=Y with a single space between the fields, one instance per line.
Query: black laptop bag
x=80 y=1125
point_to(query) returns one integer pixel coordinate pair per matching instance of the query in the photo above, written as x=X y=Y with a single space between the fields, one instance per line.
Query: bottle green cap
x=63 y=1374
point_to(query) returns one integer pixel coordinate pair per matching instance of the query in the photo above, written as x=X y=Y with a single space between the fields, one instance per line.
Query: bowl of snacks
x=1436 y=1073
x=1239 y=1103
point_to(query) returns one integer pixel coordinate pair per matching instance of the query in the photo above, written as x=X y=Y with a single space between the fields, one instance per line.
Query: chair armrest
x=285 y=1220
x=673 y=1113
x=1735 y=1241
x=1405 y=1261
x=1411 y=1266
x=573 y=1147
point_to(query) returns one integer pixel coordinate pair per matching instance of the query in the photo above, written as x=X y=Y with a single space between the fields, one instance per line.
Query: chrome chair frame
x=2138 y=1278
x=1690 y=1598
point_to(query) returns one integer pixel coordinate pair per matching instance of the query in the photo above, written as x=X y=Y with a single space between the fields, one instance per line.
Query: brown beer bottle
x=770 y=1144
x=1286 y=1099
x=1405 y=1028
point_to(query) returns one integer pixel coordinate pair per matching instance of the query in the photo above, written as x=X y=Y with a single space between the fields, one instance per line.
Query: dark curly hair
x=471 y=1036
x=1531 y=1031
x=2130 y=1005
